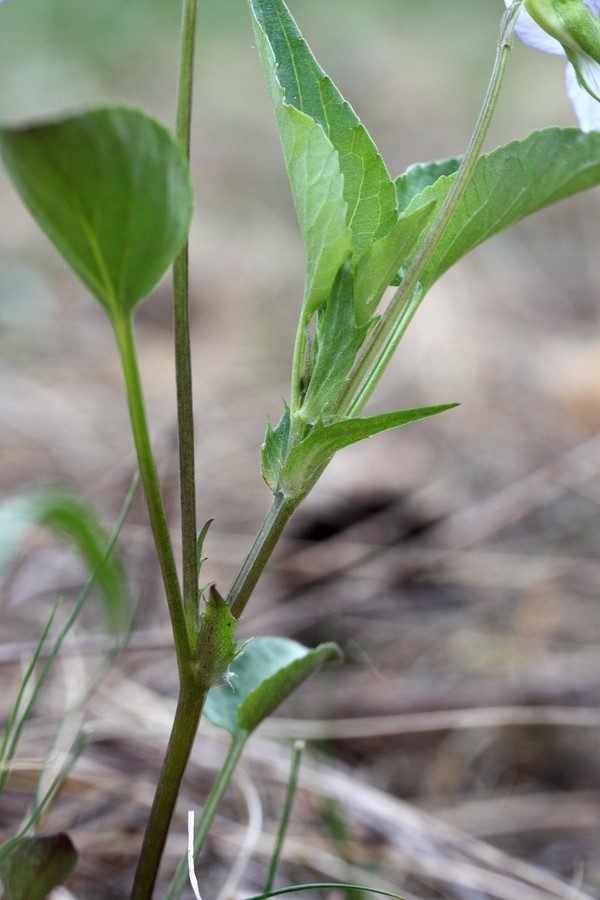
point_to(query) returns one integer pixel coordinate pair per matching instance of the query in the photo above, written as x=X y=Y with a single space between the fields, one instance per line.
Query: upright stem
x=183 y=733
x=183 y=361
x=185 y=87
x=393 y=323
x=123 y=328
x=191 y=695
x=260 y=552
x=209 y=810
x=185 y=616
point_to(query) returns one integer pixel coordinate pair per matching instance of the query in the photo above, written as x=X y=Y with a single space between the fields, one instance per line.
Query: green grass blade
x=12 y=719
x=325 y=886
x=18 y=727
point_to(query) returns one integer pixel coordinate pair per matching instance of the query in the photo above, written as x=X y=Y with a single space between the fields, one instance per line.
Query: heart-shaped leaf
x=111 y=189
x=266 y=673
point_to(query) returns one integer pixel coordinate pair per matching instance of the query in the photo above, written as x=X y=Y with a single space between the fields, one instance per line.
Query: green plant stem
x=260 y=552
x=292 y=787
x=123 y=328
x=185 y=85
x=183 y=732
x=183 y=358
x=405 y=302
x=183 y=610
x=185 y=420
x=211 y=806
x=191 y=697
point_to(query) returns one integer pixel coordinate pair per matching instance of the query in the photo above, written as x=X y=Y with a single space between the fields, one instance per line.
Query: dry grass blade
x=426 y=846
x=440 y=720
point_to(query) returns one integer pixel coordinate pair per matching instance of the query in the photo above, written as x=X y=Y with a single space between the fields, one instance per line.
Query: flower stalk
x=385 y=337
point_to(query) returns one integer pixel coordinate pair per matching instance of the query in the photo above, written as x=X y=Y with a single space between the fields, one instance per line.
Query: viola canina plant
x=110 y=186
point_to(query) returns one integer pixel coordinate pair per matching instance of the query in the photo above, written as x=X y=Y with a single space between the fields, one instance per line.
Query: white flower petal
x=588 y=72
x=535 y=36
x=586 y=108
x=531 y=33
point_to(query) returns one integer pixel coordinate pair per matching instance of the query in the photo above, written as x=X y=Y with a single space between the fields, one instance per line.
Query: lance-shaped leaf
x=510 y=183
x=368 y=190
x=317 y=187
x=296 y=80
x=111 y=189
x=70 y=518
x=307 y=460
x=267 y=672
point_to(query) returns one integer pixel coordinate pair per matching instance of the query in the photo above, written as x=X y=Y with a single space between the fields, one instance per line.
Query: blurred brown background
x=455 y=560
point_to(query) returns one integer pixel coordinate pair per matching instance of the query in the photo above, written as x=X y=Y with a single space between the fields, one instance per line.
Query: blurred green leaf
x=267 y=672
x=31 y=867
x=70 y=518
x=111 y=189
x=510 y=183
x=307 y=460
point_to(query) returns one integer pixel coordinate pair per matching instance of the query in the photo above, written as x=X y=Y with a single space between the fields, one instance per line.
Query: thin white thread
x=190 y=854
